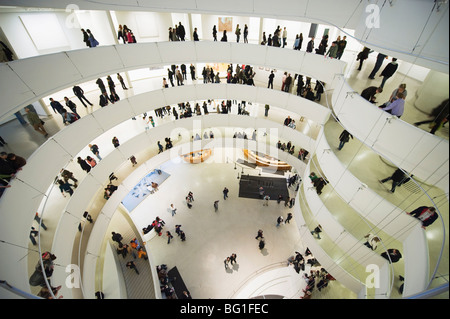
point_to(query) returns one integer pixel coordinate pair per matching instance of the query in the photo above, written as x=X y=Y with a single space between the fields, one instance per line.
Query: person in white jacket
x=372 y=241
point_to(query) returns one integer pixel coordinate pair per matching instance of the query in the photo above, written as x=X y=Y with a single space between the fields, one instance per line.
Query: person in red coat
x=427 y=215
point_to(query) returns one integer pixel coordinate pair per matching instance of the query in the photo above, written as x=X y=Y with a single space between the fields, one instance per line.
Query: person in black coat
x=181 y=32
x=389 y=71
x=323 y=45
x=369 y=93
x=195 y=35
x=121 y=34
x=261 y=244
x=111 y=84
x=341 y=47
x=344 y=138
x=309 y=94
x=104 y=99
x=79 y=93
x=214 y=33
x=427 y=215
x=6 y=167
x=319 y=89
x=393 y=255
x=310 y=46
x=319 y=184
x=84 y=165
x=398 y=178
x=276 y=40
x=363 y=55
x=72 y=106
x=224 y=37
x=101 y=85
x=86 y=38
x=440 y=115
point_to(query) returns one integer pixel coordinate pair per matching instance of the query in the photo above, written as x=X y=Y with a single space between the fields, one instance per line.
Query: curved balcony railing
x=24 y=87
x=338 y=261
x=52 y=145
x=420 y=153
x=417 y=151
x=111 y=160
x=377 y=129
x=373 y=24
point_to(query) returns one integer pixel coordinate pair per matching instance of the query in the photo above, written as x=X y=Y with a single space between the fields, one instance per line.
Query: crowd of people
x=426 y=215
x=279 y=39
x=316 y=278
x=42 y=276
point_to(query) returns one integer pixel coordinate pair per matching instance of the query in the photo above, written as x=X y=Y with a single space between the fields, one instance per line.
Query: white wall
x=283 y=281
x=419 y=30
x=113 y=289
x=146 y=26
x=22 y=42
x=208 y=21
x=393 y=138
x=196 y=20
x=424 y=29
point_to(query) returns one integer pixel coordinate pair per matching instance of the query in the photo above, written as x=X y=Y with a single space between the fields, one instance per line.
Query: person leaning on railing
x=426 y=215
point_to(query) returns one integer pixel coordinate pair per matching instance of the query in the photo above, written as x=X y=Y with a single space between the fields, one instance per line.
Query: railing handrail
x=441 y=217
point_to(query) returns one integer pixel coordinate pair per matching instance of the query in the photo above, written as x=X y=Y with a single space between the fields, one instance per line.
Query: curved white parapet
x=352 y=246
x=281 y=281
x=337 y=269
x=90 y=126
x=382 y=214
x=34 y=179
x=61 y=148
x=371 y=206
x=417 y=265
x=98 y=177
x=347 y=279
x=422 y=154
x=21 y=81
x=423 y=34
x=101 y=224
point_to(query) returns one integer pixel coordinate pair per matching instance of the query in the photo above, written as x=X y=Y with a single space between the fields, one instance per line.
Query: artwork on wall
x=219 y=67
x=143 y=189
x=38 y=26
x=225 y=23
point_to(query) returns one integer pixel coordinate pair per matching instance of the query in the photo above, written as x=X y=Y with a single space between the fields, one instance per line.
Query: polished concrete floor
x=200 y=258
